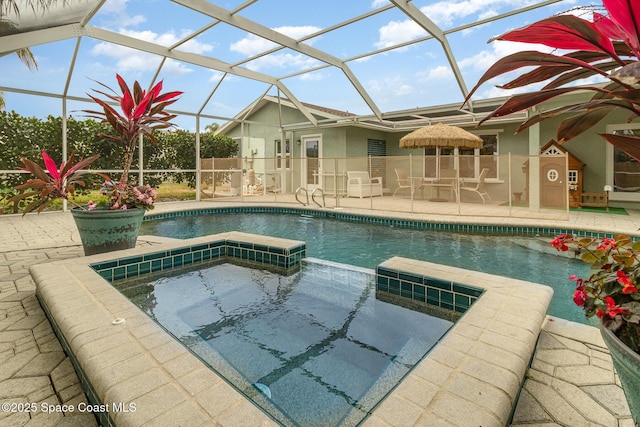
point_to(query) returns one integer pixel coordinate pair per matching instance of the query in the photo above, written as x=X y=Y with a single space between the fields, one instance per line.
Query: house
x=280 y=144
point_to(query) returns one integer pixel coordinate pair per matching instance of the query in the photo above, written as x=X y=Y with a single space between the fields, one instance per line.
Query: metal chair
x=403 y=182
x=479 y=187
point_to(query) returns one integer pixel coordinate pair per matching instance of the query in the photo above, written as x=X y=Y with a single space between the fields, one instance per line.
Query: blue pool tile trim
x=134 y=266
x=424 y=289
x=396 y=222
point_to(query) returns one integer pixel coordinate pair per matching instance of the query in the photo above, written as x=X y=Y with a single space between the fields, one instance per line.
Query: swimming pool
x=313 y=349
x=366 y=245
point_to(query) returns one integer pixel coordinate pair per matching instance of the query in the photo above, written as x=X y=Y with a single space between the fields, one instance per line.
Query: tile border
x=522 y=230
x=425 y=290
x=285 y=259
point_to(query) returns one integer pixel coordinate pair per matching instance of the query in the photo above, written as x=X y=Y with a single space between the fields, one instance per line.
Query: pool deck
x=571 y=381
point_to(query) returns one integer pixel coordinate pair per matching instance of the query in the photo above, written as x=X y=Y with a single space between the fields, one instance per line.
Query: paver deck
x=571 y=381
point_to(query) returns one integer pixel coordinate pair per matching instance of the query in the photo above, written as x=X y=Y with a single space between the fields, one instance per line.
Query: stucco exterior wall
x=350 y=142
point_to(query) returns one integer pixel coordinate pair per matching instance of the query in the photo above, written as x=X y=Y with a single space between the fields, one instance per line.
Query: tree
x=178 y=150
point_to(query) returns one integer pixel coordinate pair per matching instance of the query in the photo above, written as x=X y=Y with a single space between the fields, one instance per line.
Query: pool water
x=312 y=349
x=366 y=245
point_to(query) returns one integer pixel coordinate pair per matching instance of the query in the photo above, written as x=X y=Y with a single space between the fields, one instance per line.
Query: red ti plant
x=607 y=46
x=141 y=113
x=59 y=183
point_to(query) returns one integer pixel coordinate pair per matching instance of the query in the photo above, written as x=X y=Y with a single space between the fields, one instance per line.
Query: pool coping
x=473 y=376
x=486 y=225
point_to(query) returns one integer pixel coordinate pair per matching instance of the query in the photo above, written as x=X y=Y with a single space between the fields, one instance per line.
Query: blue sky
x=407 y=77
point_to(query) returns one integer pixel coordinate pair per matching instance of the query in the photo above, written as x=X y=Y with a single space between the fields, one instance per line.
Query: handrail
x=300 y=190
x=313 y=197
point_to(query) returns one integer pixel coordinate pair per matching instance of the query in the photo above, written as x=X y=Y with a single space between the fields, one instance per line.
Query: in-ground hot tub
x=478 y=365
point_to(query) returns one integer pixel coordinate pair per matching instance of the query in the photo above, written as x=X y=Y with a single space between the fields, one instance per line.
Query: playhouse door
x=553 y=182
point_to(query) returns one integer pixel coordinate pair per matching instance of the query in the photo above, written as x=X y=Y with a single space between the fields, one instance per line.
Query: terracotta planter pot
x=103 y=230
x=627 y=364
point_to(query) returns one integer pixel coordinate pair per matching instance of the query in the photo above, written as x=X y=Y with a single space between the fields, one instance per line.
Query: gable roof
x=328 y=114
x=574 y=162
x=396 y=121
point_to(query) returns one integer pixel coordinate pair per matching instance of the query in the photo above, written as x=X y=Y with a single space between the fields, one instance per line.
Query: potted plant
x=608 y=47
x=612 y=293
x=116 y=225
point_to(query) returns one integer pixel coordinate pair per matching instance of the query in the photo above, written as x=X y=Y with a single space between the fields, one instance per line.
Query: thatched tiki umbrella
x=440 y=135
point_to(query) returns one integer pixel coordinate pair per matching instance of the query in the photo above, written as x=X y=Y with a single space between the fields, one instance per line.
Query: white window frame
x=476 y=154
x=573 y=176
x=283 y=158
x=617 y=195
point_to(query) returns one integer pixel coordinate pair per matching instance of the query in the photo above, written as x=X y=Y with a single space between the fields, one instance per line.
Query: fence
x=508 y=185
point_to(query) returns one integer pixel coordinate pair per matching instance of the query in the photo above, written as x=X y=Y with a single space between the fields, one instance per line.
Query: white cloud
x=217 y=75
x=444 y=14
x=396 y=32
x=170 y=38
x=440 y=72
x=317 y=76
x=120 y=18
x=283 y=61
x=252 y=45
x=298 y=32
x=128 y=59
x=379 y=3
x=390 y=87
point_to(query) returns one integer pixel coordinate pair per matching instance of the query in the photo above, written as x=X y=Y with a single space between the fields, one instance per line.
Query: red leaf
x=156 y=89
x=626 y=14
x=51 y=165
x=83 y=163
x=526 y=100
x=36 y=170
x=579 y=74
x=531 y=58
x=65 y=166
x=167 y=96
x=626 y=143
x=563 y=32
x=124 y=88
x=580 y=123
x=539 y=74
x=126 y=104
x=142 y=107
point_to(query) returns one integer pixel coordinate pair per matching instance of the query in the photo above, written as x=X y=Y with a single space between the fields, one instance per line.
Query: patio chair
x=479 y=187
x=359 y=184
x=404 y=182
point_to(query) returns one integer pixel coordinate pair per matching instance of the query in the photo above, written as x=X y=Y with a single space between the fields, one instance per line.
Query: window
x=623 y=171
x=377 y=149
x=573 y=176
x=283 y=159
x=441 y=161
